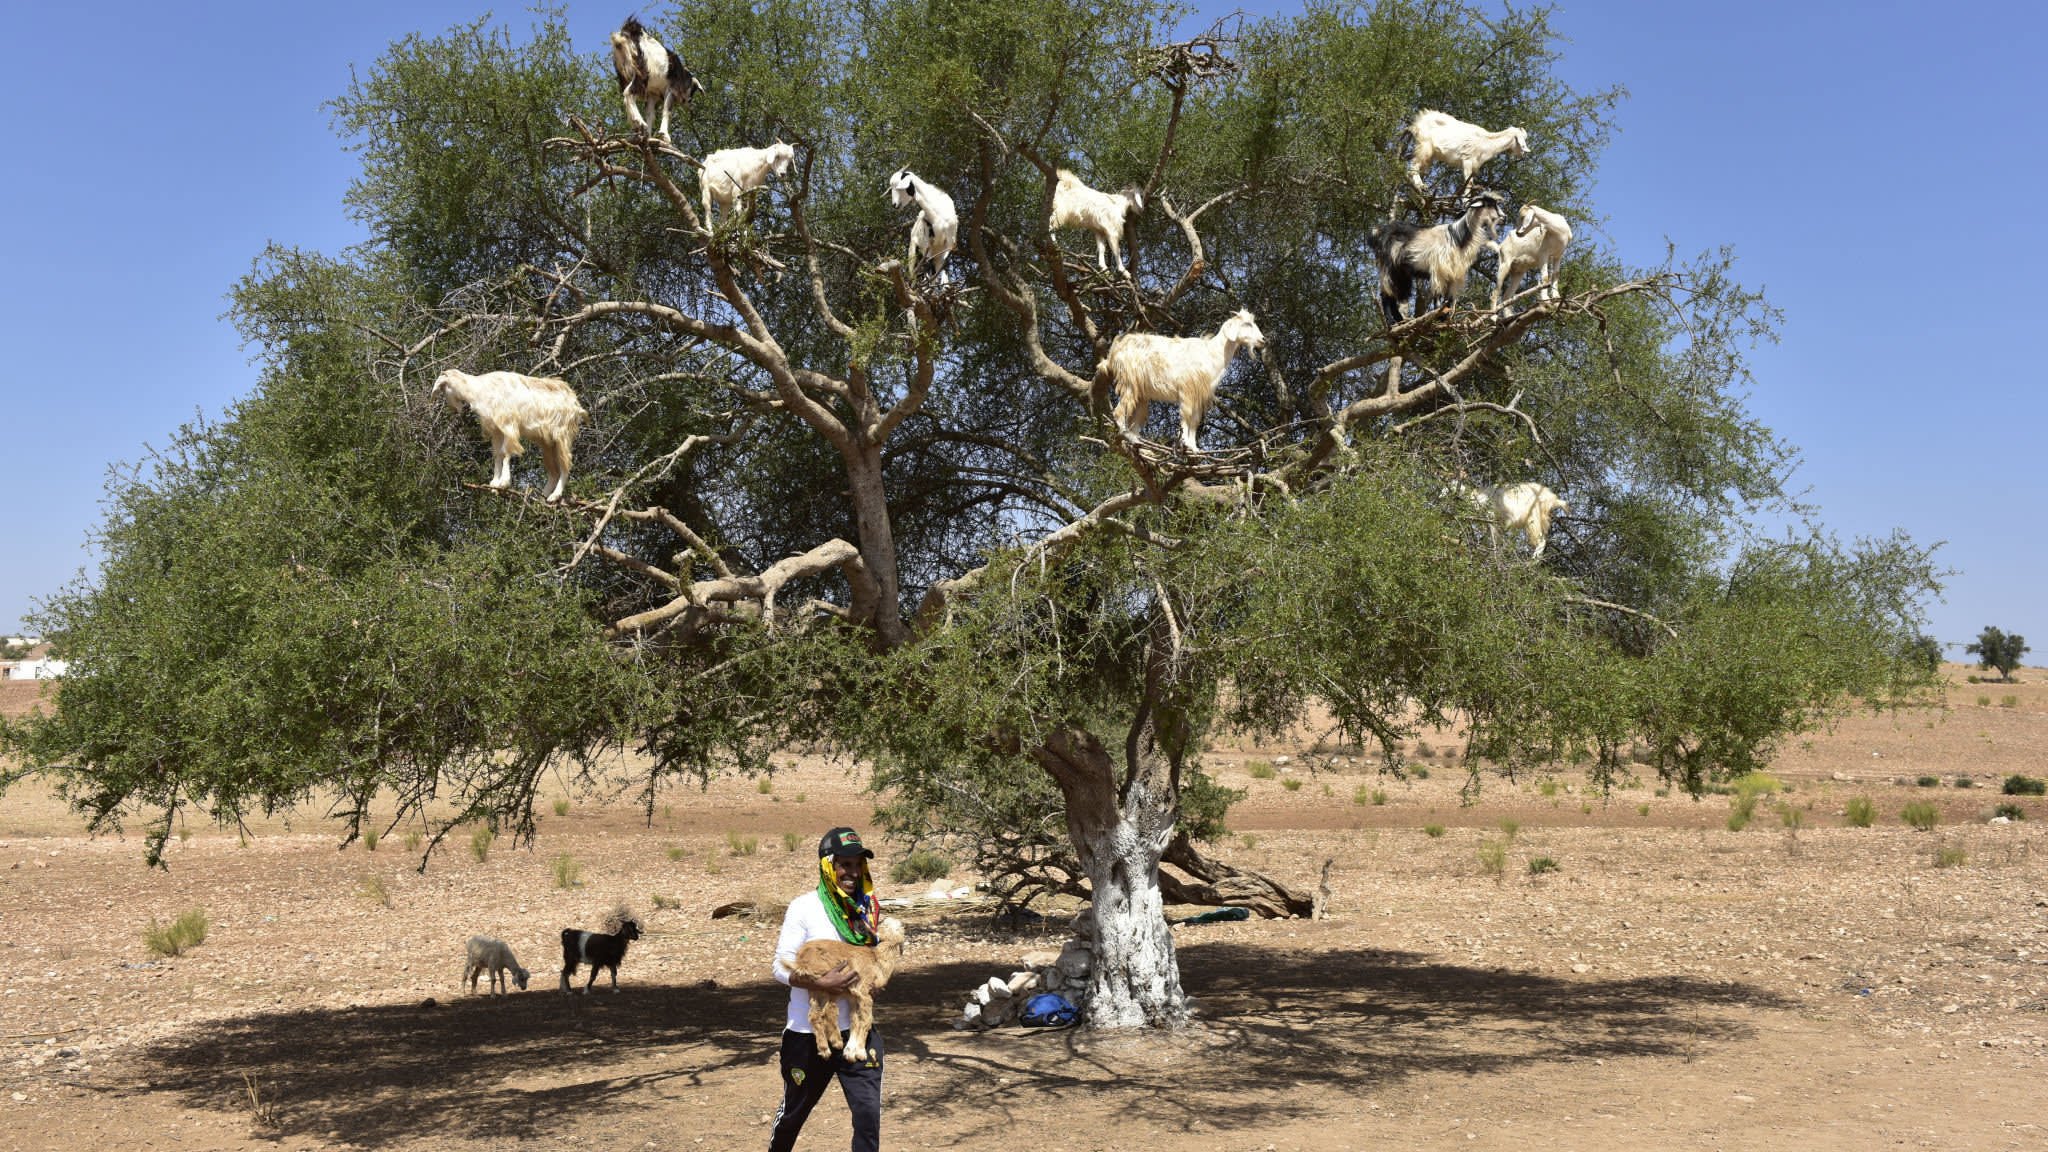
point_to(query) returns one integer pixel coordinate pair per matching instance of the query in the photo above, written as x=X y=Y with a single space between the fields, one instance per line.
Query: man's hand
x=831 y=983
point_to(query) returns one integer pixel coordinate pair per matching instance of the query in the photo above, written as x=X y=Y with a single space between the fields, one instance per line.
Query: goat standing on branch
x=937 y=227
x=1507 y=507
x=1181 y=369
x=1076 y=205
x=730 y=173
x=1537 y=245
x=510 y=406
x=1442 y=139
x=648 y=70
x=1408 y=252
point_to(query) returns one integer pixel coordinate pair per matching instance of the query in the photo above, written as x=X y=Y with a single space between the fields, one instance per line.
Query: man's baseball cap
x=843 y=842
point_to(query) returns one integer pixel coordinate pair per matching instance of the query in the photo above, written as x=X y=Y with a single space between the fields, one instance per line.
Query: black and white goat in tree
x=1437 y=258
x=648 y=70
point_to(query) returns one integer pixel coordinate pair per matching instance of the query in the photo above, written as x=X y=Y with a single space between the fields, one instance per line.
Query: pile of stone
x=999 y=1001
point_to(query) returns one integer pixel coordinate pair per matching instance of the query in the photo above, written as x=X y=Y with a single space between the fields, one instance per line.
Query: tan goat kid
x=874 y=966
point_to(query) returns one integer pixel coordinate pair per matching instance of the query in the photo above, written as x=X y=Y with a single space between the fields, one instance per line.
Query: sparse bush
x=1921 y=815
x=1662 y=793
x=800 y=797
x=765 y=785
x=1975 y=679
x=1259 y=770
x=372 y=888
x=1951 y=856
x=184 y=834
x=567 y=872
x=1965 y=782
x=1791 y=817
x=1361 y=795
x=2010 y=812
x=1423 y=749
x=2008 y=701
x=1422 y=772
x=480 y=843
x=677 y=853
x=1379 y=797
x=2024 y=786
x=1737 y=819
x=1249 y=841
x=1742 y=809
x=1929 y=781
x=1642 y=809
x=1510 y=829
x=664 y=903
x=370 y=839
x=1860 y=812
x=790 y=840
x=1548 y=788
x=739 y=845
x=920 y=868
x=561 y=806
x=1538 y=865
x=1291 y=784
x=188 y=930
x=1586 y=809
x=1982 y=701
x=711 y=865
x=668 y=813
x=1328 y=791
x=1432 y=830
x=413 y=839
x=1493 y=858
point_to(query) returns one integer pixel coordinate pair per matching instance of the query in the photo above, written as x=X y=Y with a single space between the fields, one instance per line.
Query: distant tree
x=1924 y=652
x=1994 y=649
x=822 y=500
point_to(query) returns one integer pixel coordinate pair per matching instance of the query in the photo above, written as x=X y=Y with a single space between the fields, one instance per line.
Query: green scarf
x=853 y=917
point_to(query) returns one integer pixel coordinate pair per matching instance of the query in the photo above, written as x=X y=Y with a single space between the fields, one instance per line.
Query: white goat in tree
x=1509 y=507
x=648 y=70
x=1439 y=257
x=1537 y=245
x=730 y=173
x=937 y=227
x=1444 y=139
x=1076 y=205
x=510 y=406
x=1179 y=369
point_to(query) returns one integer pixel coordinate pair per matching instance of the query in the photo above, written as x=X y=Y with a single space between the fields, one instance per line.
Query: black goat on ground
x=597 y=950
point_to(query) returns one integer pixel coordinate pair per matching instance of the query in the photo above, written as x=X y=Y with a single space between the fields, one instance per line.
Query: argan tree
x=820 y=499
x=1994 y=648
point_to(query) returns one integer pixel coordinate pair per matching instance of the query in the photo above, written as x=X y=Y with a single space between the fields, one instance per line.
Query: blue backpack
x=1048 y=1010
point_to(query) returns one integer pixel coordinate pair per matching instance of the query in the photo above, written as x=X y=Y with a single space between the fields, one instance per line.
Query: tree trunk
x=1225 y=885
x=1119 y=834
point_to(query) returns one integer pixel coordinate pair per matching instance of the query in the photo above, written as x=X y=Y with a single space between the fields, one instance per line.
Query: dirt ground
x=1672 y=984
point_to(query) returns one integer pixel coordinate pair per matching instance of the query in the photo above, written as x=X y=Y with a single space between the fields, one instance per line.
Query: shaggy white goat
x=1180 y=369
x=937 y=226
x=1408 y=252
x=1076 y=205
x=1508 y=507
x=647 y=70
x=510 y=406
x=1536 y=246
x=1442 y=139
x=731 y=172
x=488 y=953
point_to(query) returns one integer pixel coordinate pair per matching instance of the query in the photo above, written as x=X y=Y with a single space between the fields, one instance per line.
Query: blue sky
x=1857 y=156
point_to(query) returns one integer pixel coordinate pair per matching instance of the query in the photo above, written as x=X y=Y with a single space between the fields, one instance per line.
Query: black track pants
x=806 y=1075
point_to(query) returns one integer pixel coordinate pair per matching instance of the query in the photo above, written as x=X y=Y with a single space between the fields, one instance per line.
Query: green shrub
x=1662 y=793
x=2008 y=701
x=790 y=840
x=2025 y=786
x=1509 y=829
x=372 y=888
x=800 y=797
x=1586 y=809
x=1259 y=770
x=1965 y=782
x=562 y=806
x=568 y=873
x=1737 y=819
x=1642 y=809
x=664 y=903
x=1423 y=749
x=1921 y=815
x=1547 y=788
x=1249 y=841
x=765 y=785
x=1929 y=781
x=1951 y=856
x=1432 y=830
x=413 y=839
x=370 y=839
x=188 y=930
x=1291 y=784
x=1361 y=795
x=1422 y=772
x=1860 y=812
x=1379 y=797
x=1493 y=857
x=1982 y=701
x=920 y=868
x=739 y=845
x=1791 y=817
x=1538 y=865
x=2010 y=812
x=677 y=853
x=480 y=843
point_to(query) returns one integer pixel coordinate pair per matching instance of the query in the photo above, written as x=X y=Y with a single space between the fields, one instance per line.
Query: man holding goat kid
x=841 y=907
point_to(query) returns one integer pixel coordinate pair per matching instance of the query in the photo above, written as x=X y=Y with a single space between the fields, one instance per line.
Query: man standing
x=841 y=907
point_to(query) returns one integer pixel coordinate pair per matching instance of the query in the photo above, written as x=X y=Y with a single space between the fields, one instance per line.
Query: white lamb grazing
x=1076 y=205
x=1508 y=507
x=937 y=227
x=510 y=406
x=1442 y=139
x=730 y=173
x=648 y=70
x=1537 y=245
x=1179 y=369
x=488 y=953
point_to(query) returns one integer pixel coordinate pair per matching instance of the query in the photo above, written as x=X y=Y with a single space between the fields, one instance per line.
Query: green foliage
x=1928 y=781
x=480 y=843
x=566 y=871
x=1493 y=858
x=1538 y=865
x=1642 y=809
x=1259 y=770
x=1509 y=829
x=370 y=839
x=765 y=785
x=2008 y=701
x=664 y=903
x=1920 y=815
x=919 y=868
x=790 y=840
x=2010 y=812
x=678 y=853
x=1547 y=788
x=1951 y=856
x=187 y=930
x=1739 y=817
x=1791 y=816
x=1924 y=652
x=1420 y=771
x=1860 y=812
x=1995 y=649
x=372 y=888
x=562 y=806
x=413 y=839
x=1433 y=831
x=739 y=845
x=1983 y=701
x=1965 y=782
x=1291 y=784
x=2017 y=785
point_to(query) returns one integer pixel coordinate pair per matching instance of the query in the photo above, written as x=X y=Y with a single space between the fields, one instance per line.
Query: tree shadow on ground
x=1280 y=1031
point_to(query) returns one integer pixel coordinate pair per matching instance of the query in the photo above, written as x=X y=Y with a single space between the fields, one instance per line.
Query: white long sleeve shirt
x=805 y=921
